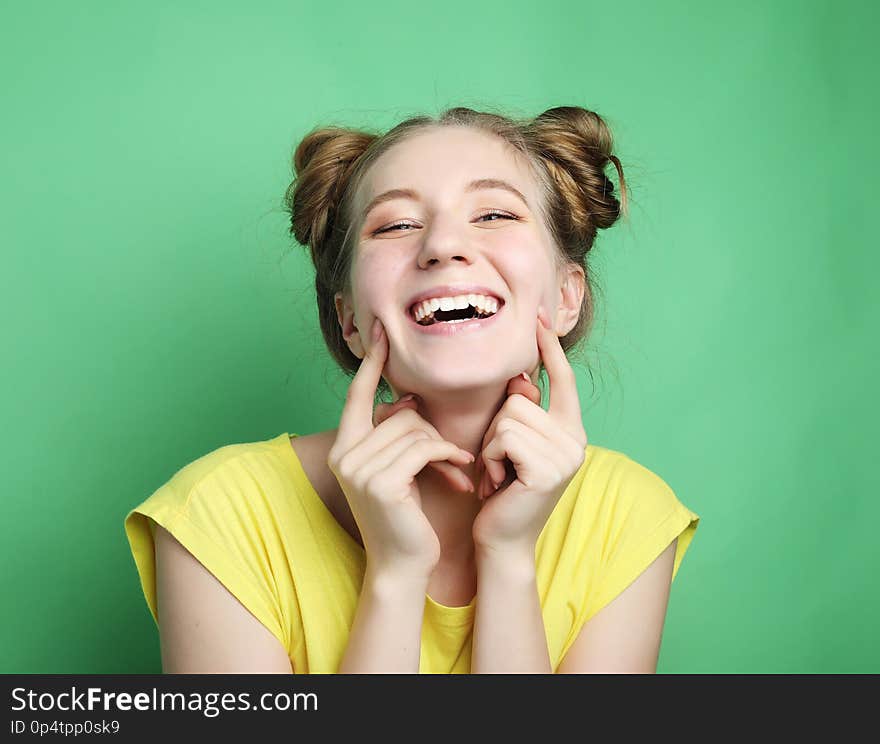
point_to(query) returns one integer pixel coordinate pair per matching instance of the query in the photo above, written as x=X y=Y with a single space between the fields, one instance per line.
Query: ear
x=571 y=295
x=350 y=332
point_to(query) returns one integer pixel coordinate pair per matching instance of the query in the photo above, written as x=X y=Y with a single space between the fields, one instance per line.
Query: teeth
x=485 y=305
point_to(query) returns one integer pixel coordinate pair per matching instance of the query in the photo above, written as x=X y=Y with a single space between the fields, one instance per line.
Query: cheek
x=530 y=282
x=377 y=285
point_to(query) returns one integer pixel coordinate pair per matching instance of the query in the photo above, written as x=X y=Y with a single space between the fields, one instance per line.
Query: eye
x=492 y=213
x=496 y=213
x=390 y=228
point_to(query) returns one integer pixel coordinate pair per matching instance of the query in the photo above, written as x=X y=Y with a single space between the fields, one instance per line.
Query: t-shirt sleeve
x=640 y=517
x=221 y=521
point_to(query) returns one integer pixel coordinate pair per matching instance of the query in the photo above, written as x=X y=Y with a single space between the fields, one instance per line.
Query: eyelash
x=506 y=215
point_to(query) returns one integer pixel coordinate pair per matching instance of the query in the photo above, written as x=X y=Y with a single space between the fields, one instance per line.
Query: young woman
x=463 y=527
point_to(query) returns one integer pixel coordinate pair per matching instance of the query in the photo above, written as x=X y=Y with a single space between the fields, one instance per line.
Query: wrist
x=394 y=581
x=516 y=561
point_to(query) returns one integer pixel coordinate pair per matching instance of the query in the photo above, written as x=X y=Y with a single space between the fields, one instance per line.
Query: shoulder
x=617 y=484
x=226 y=482
x=613 y=498
x=615 y=468
x=265 y=467
x=224 y=462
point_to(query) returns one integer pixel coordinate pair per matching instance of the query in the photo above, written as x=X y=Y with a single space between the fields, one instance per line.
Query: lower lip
x=454 y=329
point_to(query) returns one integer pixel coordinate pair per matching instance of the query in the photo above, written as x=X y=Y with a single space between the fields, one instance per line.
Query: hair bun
x=576 y=146
x=322 y=163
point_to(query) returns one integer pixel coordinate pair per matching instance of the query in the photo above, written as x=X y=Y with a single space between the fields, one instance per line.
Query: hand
x=454 y=475
x=545 y=448
x=376 y=468
x=523 y=385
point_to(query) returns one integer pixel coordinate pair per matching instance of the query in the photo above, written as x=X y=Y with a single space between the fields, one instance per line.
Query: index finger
x=564 y=402
x=356 y=420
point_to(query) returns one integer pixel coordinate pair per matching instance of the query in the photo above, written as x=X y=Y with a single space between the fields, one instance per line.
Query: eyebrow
x=475 y=185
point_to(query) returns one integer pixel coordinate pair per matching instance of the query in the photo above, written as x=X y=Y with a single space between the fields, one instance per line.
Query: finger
x=498 y=469
x=534 y=459
x=480 y=474
x=509 y=477
x=417 y=456
x=516 y=385
x=564 y=402
x=357 y=414
x=517 y=408
x=526 y=388
x=493 y=472
x=387 y=410
x=388 y=454
x=487 y=485
x=453 y=475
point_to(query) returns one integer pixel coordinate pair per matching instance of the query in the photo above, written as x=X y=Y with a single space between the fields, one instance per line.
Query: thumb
x=526 y=388
x=386 y=410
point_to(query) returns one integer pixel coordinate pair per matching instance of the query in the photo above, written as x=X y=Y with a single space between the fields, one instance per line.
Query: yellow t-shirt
x=249 y=514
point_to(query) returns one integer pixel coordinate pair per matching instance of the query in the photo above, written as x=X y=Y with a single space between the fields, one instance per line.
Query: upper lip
x=452 y=290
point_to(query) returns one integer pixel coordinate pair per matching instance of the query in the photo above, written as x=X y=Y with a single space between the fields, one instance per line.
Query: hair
x=567 y=149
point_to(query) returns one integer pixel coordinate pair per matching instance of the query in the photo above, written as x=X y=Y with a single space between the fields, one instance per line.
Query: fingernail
x=377 y=329
x=525 y=376
x=408 y=396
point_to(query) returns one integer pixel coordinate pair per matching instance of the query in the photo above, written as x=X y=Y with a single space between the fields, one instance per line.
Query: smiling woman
x=544 y=175
x=451 y=271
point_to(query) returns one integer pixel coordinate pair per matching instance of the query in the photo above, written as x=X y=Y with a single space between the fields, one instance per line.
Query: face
x=450 y=234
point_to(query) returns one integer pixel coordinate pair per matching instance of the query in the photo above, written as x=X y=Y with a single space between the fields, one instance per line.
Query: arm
x=509 y=635
x=624 y=636
x=385 y=636
x=203 y=628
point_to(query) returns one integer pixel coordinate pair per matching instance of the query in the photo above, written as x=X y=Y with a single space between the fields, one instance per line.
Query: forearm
x=385 y=635
x=509 y=635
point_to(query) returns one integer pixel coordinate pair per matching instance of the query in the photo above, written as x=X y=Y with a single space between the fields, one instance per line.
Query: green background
x=154 y=307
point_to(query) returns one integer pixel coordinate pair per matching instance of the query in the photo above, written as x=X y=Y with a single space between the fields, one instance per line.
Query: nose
x=442 y=244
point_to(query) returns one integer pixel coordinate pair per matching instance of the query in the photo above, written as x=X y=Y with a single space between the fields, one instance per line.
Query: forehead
x=440 y=162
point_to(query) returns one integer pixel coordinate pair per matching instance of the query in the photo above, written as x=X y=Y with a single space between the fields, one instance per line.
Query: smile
x=456 y=326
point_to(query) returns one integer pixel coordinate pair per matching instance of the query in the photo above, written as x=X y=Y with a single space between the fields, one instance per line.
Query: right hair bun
x=576 y=145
